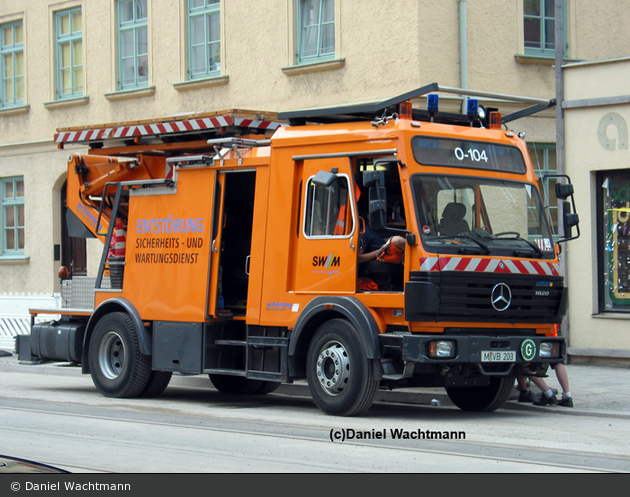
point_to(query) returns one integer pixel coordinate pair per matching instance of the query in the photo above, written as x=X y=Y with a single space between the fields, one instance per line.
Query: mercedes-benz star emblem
x=501 y=297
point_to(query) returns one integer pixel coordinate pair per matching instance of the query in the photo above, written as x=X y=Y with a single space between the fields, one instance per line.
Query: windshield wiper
x=516 y=236
x=467 y=236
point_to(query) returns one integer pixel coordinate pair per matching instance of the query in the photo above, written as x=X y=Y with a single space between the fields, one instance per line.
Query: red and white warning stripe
x=487 y=265
x=164 y=128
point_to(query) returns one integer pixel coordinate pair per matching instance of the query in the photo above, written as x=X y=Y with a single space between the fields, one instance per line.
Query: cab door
x=231 y=242
x=325 y=261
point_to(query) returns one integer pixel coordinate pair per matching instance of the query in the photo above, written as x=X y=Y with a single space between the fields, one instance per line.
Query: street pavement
x=595 y=388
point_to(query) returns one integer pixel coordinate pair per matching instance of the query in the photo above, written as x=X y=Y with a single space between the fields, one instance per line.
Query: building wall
x=382 y=49
x=595 y=143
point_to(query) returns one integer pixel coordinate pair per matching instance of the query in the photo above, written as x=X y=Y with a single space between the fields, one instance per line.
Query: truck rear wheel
x=158 y=382
x=488 y=398
x=118 y=368
x=340 y=376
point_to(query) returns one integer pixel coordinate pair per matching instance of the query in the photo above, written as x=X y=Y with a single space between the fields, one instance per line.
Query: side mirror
x=564 y=190
x=373 y=178
x=570 y=220
x=375 y=181
x=324 y=178
x=378 y=217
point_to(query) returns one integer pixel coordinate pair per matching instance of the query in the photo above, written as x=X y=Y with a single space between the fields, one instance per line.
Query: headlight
x=441 y=349
x=549 y=350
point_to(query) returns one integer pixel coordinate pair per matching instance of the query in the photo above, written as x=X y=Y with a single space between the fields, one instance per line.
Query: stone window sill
x=14 y=111
x=315 y=67
x=539 y=60
x=14 y=260
x=195 y=84
x=65 y=103
x=127 y=94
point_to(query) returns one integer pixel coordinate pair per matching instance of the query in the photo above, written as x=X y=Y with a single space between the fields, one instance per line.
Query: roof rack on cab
x=368 y=111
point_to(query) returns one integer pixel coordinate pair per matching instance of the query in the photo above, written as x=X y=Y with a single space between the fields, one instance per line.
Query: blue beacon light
x=472 y=109
x=433 y=105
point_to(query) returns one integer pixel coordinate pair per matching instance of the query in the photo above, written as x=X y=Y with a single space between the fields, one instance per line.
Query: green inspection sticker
x=528 y=349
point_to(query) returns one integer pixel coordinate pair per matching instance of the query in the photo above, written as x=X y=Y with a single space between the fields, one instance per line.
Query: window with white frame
x=12 y=202
x=204 y=38
x=12 y=64
x=325 y=213
x=315 y=31
x=543 y=156
x=133 y=46
x=69 y=53
x=540 y=27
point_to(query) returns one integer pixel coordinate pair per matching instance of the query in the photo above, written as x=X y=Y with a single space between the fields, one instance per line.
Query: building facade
x=597 y=115
x=79 y=63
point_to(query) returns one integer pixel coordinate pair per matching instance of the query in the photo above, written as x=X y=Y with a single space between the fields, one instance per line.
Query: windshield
x=479 y=215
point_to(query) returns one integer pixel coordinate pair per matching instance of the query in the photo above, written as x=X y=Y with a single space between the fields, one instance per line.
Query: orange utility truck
x=233 y=241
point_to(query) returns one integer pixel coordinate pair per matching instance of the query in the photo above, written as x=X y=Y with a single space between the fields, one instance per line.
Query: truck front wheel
x=340 y=376
x=488 y=398
x=118 y=368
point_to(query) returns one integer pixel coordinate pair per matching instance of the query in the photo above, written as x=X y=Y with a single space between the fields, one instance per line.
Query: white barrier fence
x=15 y=318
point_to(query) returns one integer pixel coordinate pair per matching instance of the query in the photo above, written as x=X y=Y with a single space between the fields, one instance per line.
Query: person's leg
x=379 y=273
x=524 y=393
x=400 y=242
x=540 y=383
x=563 y=379
x=547 y=397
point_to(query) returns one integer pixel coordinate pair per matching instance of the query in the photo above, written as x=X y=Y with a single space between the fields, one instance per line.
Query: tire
x=118 y=368
x=158 y=382
x=340 y=376
x=235 y=385
x=488 y=398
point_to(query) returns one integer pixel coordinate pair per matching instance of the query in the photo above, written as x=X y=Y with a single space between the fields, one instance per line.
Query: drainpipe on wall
x=463 y=50
x=559 y=42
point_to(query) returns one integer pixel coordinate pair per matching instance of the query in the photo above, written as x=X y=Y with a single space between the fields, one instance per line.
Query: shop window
x=613 y=220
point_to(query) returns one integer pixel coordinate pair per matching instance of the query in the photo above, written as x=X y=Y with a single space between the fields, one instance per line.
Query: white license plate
x=498 y=356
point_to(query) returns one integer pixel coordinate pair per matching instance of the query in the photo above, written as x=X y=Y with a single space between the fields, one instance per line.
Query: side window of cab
x=327 y=212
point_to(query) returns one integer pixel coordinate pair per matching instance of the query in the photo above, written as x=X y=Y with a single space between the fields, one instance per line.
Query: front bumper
x=520 y=350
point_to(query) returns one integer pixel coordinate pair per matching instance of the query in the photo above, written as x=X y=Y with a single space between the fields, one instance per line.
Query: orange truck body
x=225 y=273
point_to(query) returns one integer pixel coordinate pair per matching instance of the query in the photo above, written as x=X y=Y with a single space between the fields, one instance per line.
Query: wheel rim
x=333 y=368
x=111 y=355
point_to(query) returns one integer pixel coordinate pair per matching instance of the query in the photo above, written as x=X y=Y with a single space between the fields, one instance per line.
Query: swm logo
x=326 y=261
